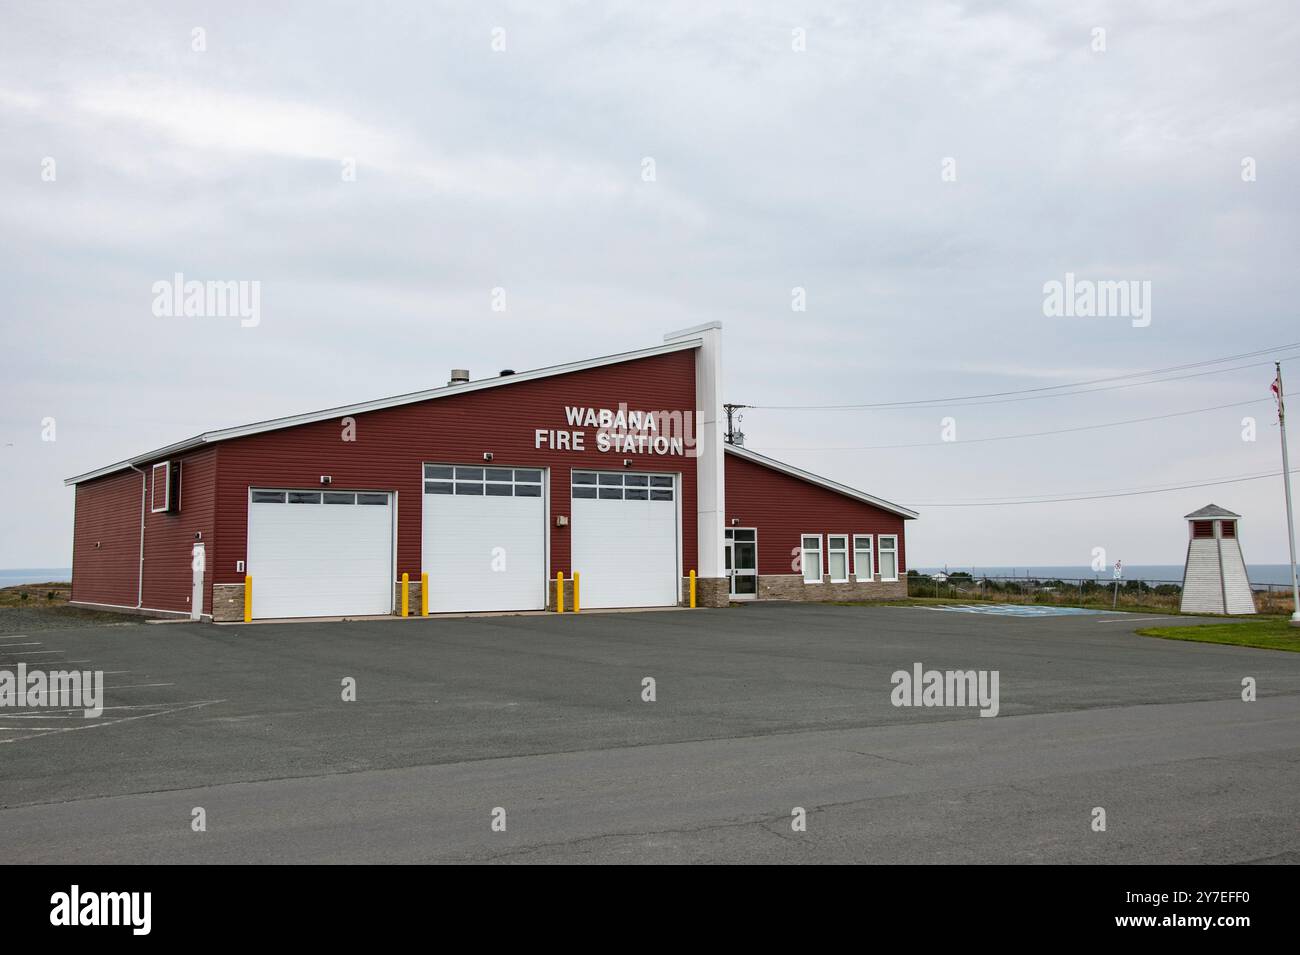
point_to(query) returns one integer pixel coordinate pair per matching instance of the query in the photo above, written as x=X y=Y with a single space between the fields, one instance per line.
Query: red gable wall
x=782 y=508
x=106 y=537
x=392 y=444
x=106 y=540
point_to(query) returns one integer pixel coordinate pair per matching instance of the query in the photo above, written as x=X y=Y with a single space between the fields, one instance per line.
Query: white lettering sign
x=622 y=431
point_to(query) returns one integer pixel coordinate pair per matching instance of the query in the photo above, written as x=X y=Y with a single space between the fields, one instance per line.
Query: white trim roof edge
x=794 y=472
x=276 y=424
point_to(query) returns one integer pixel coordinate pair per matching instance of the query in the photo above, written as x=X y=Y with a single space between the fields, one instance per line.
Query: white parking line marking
x=42 y=716
x=3 y=645
x=43 y=711
x=10 y=729
x=99 y=725
x=41 y=653
x=136 y=686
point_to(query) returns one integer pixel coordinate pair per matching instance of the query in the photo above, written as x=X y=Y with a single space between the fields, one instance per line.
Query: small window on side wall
x=863 y=557
x=812 y=558
x=837 y=557
x=888 y=557
x=165 y=487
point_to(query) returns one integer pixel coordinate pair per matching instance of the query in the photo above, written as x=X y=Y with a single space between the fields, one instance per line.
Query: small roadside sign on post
x=1119 y=572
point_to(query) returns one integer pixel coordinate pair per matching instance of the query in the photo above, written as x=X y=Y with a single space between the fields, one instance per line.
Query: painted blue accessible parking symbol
x=1019 y=610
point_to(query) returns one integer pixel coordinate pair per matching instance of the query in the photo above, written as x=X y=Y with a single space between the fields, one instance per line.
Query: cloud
x=776 y=168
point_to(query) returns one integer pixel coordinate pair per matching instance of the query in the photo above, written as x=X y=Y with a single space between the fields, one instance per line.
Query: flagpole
x=1286 y=484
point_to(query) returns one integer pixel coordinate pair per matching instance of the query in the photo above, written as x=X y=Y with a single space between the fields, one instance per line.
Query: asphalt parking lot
x=758 y=710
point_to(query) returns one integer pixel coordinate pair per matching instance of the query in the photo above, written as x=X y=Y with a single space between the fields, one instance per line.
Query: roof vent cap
x=459 y=376
x=507 y=371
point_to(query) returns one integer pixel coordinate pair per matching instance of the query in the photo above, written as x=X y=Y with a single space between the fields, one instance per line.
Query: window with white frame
x=812 y=558
x=863 y=557
x=888 y=557
x=160 y=487
x=837 y=557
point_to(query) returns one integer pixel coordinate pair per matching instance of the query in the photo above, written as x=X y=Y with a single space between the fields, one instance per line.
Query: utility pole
x=1286 y=485
x=732 y=433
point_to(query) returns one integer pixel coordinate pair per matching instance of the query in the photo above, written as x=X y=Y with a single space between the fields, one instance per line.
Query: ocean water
x=34 y=575
x=1278 y=574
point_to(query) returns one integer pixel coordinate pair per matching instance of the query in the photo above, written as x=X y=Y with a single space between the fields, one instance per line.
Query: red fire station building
x=615 y=468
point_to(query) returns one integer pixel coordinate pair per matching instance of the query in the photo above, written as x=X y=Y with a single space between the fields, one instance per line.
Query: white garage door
x=625 y=538
x=484 y=538
x=320 y=554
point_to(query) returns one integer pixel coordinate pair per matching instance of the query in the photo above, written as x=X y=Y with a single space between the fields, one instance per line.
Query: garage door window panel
x=482 y=482
x=622 y=486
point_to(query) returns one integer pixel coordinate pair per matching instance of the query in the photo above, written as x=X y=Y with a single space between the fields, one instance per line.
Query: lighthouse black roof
x=1209 y=511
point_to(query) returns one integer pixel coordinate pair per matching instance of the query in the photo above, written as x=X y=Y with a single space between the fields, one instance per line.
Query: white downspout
x=144 y=488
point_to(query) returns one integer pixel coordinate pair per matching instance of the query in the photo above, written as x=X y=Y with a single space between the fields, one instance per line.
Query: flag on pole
x=1276 y=388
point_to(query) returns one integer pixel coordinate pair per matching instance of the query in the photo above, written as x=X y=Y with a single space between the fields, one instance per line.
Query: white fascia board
x=275 y=424
x=794 y=472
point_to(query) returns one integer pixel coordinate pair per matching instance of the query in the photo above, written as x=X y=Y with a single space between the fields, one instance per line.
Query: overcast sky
x=820 y=168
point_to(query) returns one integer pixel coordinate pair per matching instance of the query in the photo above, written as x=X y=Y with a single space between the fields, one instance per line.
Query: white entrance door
x=320 y=554
x=625 y=538
x=198 y=563
x=483 y=542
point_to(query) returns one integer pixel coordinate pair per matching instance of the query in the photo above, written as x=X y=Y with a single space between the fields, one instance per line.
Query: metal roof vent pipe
x=506 y=371
x=459 y=376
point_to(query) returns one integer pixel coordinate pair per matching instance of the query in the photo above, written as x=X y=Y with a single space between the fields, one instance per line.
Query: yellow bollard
x=248 y=599
x=406 y=593
x=559 y=591
x=424 y=594
x=576 y=578
x=692 y=590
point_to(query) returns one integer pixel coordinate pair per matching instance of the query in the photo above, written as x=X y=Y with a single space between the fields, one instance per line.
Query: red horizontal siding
x=391 y=445
x=783 y=508
x=106 y=540
x=169 y=537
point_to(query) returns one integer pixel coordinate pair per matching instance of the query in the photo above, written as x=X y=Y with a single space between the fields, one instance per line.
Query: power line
x=1030 y=394
x=1029 y=434
x=1110 y=490
x=1099 y=497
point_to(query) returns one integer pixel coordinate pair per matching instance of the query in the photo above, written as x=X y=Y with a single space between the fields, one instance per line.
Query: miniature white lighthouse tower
x=1214 y=580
